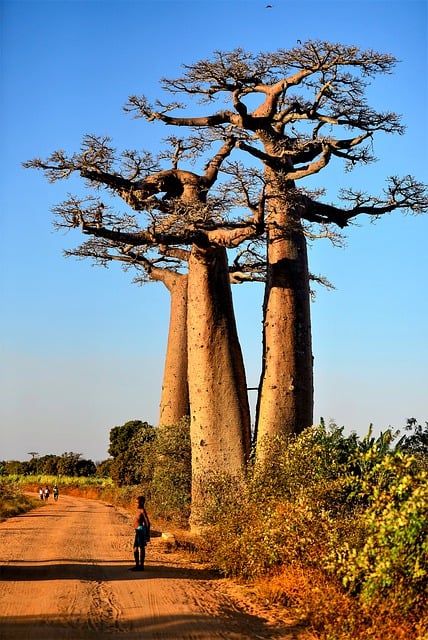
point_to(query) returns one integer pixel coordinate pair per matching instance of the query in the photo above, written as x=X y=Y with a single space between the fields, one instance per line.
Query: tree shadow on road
x=60 y=569
x=229 y=625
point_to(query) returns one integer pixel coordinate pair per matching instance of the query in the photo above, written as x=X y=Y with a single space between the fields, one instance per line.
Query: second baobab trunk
x=174 y=403
x=285 y=403
x=219 y=410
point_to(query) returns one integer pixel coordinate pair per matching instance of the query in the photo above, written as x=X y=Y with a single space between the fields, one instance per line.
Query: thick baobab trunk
x=220 y=416
x=175 y=391
x=285 y=403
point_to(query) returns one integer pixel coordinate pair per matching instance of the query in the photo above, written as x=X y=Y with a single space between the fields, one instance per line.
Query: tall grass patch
x=13 y=501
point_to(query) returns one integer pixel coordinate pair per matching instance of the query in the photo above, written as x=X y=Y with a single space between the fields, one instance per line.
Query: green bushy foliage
x=157 y=463
x=13 y=501
x=131 y=450
x=392 y=564
x=345 y=506
x=296 y=464
x=170 y=487
x=232 y=526
x=104 y=468
x=278 y=512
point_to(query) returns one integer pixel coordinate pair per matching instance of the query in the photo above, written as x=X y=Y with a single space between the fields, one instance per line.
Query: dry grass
x=332 y=614
x=13 y=502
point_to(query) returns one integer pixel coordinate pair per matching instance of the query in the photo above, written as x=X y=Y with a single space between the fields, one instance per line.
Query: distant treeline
x=126 y=465
x=67 y=464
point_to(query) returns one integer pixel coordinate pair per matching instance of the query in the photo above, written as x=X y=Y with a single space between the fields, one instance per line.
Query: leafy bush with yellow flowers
x=392 y=563
x=343 y=517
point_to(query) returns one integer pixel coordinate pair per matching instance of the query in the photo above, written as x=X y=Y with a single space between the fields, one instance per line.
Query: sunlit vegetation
x=43 y=479
x=13 y=501
x=158 y=462
x=332 y=527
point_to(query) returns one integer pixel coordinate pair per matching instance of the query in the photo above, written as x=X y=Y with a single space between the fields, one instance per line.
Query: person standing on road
x=47 y=493
x=41 y=493
x=142 y=534
x=55 y=492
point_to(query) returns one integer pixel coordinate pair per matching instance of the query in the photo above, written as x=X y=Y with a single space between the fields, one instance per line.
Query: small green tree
x=415 y=440
x=104 y=468
x=172 y=473
x=132 y=460
x=120 y=437
x=72 y=464
x=13 y=467
x=47 y=465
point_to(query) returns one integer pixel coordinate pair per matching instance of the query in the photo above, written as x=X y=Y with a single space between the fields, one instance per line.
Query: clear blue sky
x=82 y=349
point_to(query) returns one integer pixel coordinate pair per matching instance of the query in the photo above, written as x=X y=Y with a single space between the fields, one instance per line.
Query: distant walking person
x=142 y=534
x=55 y=492
x=47 y=493
x=41 y=493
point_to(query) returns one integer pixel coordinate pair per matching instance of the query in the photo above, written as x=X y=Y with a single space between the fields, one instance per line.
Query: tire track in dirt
x=64 y=575
x=104 y=612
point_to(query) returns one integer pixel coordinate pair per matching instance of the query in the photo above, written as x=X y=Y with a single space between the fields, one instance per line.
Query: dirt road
x=64 y=575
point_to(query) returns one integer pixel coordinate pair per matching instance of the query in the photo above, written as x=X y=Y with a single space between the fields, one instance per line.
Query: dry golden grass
x=332 y=614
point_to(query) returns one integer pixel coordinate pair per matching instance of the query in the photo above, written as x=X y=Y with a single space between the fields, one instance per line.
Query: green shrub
x=292 y=464
x=13 y=501
x=392 y=563
x=231 y=524
x=323 y=496
x=170 y=487
x=131 y=450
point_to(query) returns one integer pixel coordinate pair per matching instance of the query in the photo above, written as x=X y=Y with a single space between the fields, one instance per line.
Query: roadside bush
x=292 y=464
x=170 y=486
x=351 y=511
x=157 y=463
x=13 y=501
x=232 y=526
x=291 y=506
x=392 y=564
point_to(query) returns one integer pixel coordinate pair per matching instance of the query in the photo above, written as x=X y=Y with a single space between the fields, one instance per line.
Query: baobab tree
x=294 y=112
x=174 y=402
x=290 y=113
x=182 y=217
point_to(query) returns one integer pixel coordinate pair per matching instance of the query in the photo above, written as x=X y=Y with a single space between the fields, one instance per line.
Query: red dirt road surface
x=64 y=575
